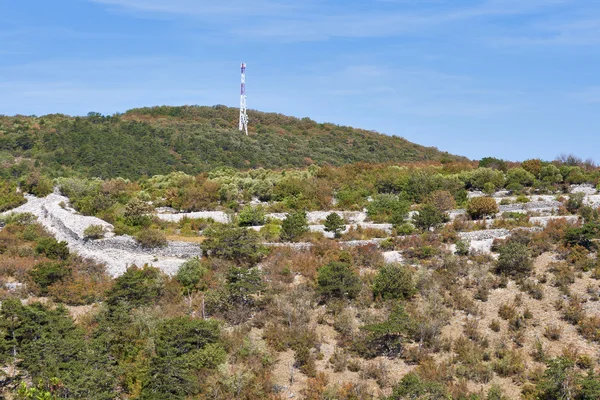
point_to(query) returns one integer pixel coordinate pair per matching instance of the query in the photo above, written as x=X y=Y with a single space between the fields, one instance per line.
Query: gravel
x=117 y=252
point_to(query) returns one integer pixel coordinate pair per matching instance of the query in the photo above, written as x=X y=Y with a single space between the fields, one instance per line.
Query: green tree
x=251 y=216
x=559 y=380
x=387 y=207
x=429 y=217
x=45 y=274
x=233 y=243
x=294 y=226
x=385 y=338
x=337 y=279
x=52 y=248
x=334 y=223
x=412 y=386
x=393 y=281
x=191 y=274
x=184 y=347
x=480 y=207
x=137 y=287
x=514 y=259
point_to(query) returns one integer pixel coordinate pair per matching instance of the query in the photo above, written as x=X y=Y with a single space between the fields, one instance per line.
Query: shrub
x=337 y=279
x=151 y=238
x=294 y=226
x=233 y=243
x=479 y=207
x=429 y=217
x=393 y=281
x=190 y=274
x=137 y=213
x=575 y=202
x=387 y=208
x=413 y=387
x=47 y=273
x=251 y=216
x=514 y=259
x=334 y=223
x=52 y=248
x=9 y=198
x=94 y=232
x=136 y=287
x=442 y=200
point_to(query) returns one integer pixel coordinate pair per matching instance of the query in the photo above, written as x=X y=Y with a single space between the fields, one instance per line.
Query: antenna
x=243 y=109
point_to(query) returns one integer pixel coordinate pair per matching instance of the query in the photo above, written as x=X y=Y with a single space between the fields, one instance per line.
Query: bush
x=137 y=287
x=429 y=217
x=251 y=216
x=337 y=279
x=387 y=208
x=334 y=223
x=394 y=282
x=233 y=243
x=413 y=387
x=442 y=200
x=151 y=238
x=137 y=213
x=94 y=232
x=479 y=207
x=294 y=226
x=9 y=198
x=52 y=248
x=47 y=273
x=514 y=259
x=190 y=274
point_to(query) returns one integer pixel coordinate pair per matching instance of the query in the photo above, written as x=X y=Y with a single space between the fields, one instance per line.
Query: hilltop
x=194 y=139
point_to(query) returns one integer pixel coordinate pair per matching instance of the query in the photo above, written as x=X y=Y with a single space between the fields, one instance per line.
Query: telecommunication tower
x=243 y=109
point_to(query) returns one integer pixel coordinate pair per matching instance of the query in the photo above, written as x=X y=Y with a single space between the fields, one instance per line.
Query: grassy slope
x=194 y=139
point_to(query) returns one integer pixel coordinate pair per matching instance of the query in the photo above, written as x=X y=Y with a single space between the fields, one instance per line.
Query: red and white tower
x=243 y=109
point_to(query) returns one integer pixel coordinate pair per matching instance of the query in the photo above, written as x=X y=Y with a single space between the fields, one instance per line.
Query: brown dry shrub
x=589 y=328
x=368 y=256
x=18 y=267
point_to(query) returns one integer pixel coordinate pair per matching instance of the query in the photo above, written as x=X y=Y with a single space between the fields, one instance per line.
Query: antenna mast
x=243 y=109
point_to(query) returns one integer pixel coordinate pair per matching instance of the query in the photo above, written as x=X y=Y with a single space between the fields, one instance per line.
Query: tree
x=191 y=273
x=559 y=380
x=334 y=223
x=386 y=207
x=442 y=200
x=385 y=338
x=429 y=217
x=136 y=287
x=47 y=273
x=294 y=226
x=514 y=259
x=338 y=280
x=393 y=281
x=184 y=347
x=480 y=207
x=251 y=216
x=233 y=243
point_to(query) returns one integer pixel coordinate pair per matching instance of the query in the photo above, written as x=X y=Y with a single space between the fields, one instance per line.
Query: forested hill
x=158 y=140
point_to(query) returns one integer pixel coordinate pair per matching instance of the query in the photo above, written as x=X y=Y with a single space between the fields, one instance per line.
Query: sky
x=512 y=79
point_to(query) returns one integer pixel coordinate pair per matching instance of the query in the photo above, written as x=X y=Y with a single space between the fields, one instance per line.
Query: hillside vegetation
x=159 y=140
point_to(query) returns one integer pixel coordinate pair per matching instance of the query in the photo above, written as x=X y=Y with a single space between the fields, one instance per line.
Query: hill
x=194 y=139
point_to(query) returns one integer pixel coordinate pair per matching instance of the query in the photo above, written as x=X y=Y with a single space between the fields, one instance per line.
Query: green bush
x=46 y=273
x=137 y=213
x=413 y=387
x=514 y=259
x=151 y=238
x=334 y=223
x=9 y=198
x=137 y=287
x=387 y=208
x=429 y=217
x=393 y=281
x=52 y=248
x=191 y=273
x=294 y=226
x=251 y=216
x=94 y=232
x=337 y=279
x=233 y=243
x=479 y=207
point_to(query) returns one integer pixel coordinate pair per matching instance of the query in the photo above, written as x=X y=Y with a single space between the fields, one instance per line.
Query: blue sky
x=513 y=79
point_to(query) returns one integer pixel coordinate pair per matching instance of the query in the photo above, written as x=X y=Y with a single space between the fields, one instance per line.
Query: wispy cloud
x=310 y=20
